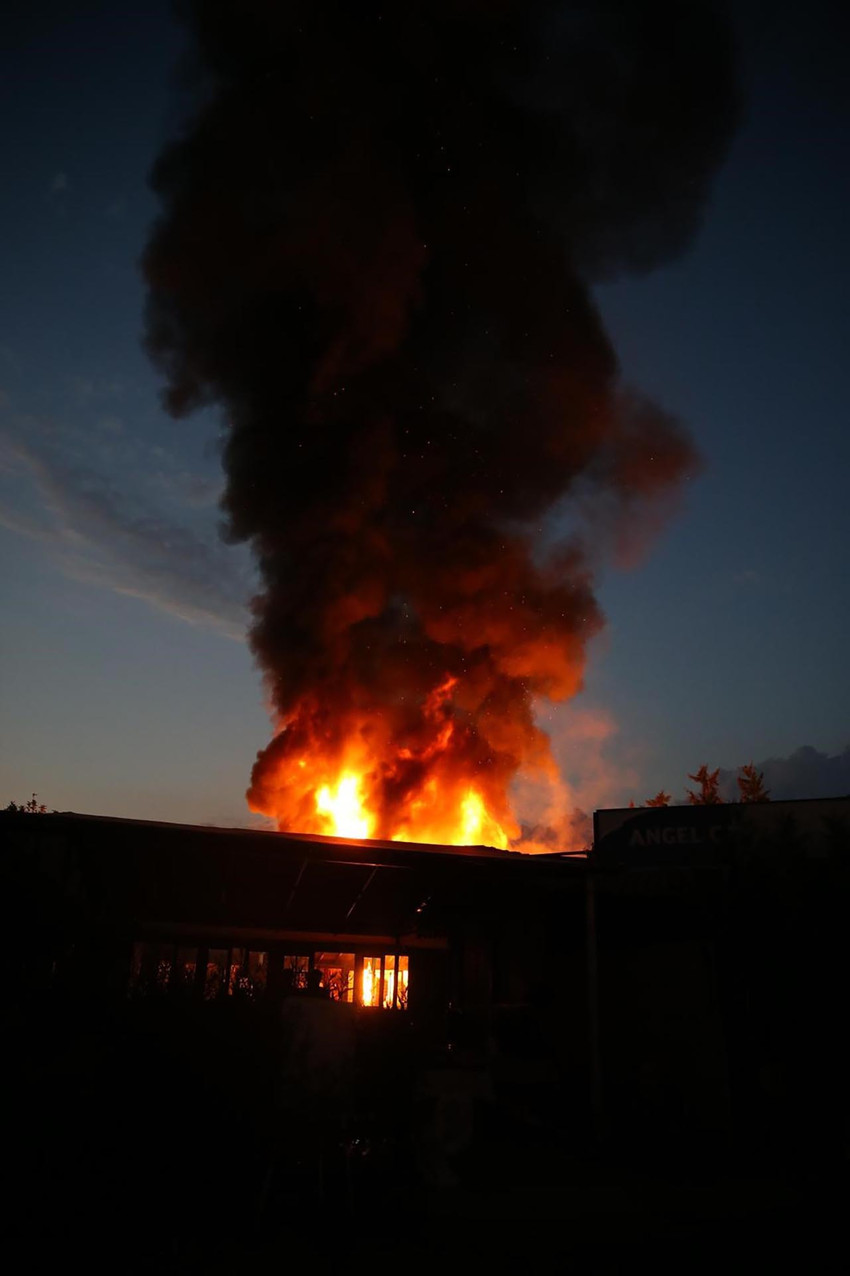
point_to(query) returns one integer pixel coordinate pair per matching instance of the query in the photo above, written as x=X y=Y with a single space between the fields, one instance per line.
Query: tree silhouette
x=661 y=799
x=33 y=807
x=751 y=785
x=708 y=793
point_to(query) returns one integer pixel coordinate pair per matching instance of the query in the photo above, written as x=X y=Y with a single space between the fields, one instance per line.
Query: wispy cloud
x=59 y=183
x=111 y=535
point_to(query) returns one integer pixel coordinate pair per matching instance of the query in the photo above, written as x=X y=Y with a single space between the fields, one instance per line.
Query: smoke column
x=379 y=230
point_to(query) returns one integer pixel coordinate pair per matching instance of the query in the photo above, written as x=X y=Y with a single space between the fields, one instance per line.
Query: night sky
x=126 y=686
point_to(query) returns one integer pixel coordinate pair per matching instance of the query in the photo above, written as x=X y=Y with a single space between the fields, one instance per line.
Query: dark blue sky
x=126 y=687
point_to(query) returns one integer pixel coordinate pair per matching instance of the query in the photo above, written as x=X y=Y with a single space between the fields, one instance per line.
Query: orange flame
x=343 y=806
x=360 y=782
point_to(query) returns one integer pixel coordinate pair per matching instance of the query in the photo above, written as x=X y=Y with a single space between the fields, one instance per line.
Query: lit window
x=216 y=978
x=370 y=982
x=255 y=975
x=384 y=981
x=403 y=982
x=236 y=976
x=299 y=967
x=150 y=969
x=337 y=974
x=389 y=982
x=185 y=966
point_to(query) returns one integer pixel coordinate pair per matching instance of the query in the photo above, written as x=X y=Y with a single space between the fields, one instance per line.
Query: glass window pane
x=389 y=982
x=337 y=971
x=403 y=982
x=255 y=975
x=370 y=982
x=235 y=985
x=185 y=965
x=150 y=969
x=163 y=968
x=297 y=967
x=216 y=978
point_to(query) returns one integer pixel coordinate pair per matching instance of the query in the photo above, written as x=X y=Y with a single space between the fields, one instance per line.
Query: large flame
x=343 y=807
x=361 y=782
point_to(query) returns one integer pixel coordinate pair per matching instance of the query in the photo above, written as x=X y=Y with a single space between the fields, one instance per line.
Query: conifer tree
x=708 y=793
x=751 y=785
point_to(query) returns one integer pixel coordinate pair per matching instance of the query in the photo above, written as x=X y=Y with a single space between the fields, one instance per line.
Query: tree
x=751 y=785
x=33 y=807
x=708 y=781
x=661 y=799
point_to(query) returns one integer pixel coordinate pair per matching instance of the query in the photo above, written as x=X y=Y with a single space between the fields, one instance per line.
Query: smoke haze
x=379 y=231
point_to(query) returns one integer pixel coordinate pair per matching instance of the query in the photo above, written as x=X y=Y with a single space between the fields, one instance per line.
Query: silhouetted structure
x=675 y=996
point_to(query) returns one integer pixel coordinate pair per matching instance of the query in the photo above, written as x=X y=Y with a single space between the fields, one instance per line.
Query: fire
x=368 y=990
x=344 y=807
x=355 y=778
x=430 y=446
x=474 y=816
x=378 y=982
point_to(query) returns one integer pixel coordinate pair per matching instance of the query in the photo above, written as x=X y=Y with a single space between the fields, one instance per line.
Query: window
x=384 y=981
x=256 y=975
x=150 y=969
x=185 y=969
x=337 y=974
x=296 y=969
x=235 y=964
x=215 y=981
x=248 y=974
x=159 y=968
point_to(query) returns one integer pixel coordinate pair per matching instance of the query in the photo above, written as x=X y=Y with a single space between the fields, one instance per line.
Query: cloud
x=59 y=183
x=102 y=534
x=805 y=773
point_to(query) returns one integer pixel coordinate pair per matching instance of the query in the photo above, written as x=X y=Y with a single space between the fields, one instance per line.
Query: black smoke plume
x=379 y=230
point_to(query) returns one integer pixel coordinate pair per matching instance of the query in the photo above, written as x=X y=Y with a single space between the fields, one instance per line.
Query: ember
x=376 y=252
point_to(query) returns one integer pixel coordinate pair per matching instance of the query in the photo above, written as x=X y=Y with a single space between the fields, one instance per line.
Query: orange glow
x=343 y=806
x=403 y=979
x=389 y=982
x=371 y=981
x=353 y=776
x=378 y=982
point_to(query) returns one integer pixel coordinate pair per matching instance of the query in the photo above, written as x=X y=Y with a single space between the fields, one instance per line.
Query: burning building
x=204 y=914
x=659 y=979
x=674 y=997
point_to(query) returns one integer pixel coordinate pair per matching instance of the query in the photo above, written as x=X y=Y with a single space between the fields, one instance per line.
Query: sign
x=658 y=835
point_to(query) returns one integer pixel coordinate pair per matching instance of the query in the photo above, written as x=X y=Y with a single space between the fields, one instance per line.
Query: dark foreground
x=136 y=1143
